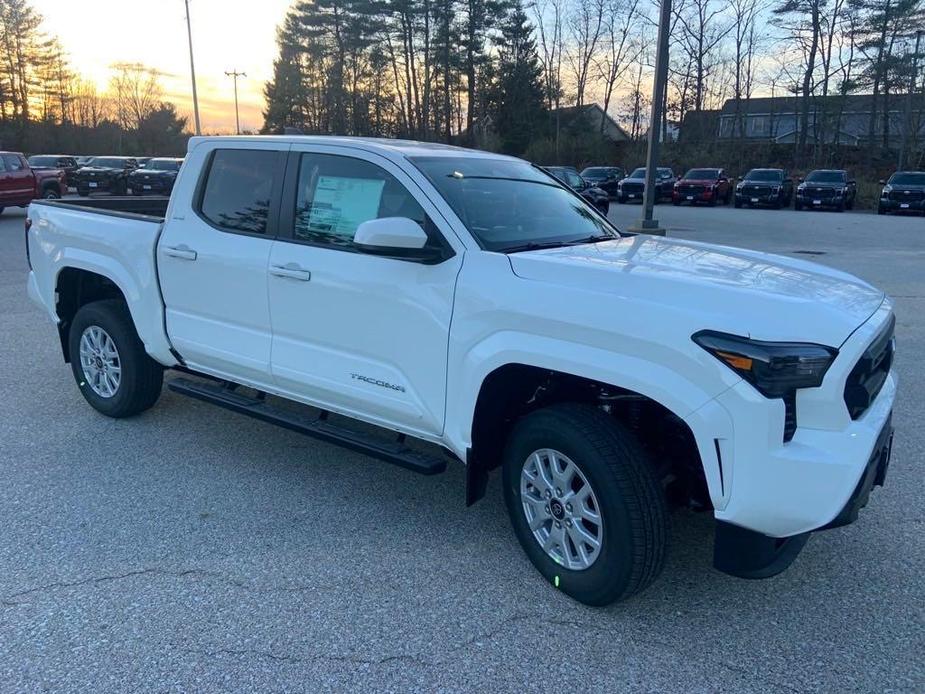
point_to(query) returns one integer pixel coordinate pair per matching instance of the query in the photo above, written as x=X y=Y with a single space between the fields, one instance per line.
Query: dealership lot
x=199 y=550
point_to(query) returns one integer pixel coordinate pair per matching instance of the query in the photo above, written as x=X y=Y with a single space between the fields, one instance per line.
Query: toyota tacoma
x=472 y=309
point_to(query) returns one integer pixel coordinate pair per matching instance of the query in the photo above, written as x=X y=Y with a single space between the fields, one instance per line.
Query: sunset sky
x=227 y=34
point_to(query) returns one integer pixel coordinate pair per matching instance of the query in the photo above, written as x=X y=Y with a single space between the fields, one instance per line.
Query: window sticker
x=339 y=205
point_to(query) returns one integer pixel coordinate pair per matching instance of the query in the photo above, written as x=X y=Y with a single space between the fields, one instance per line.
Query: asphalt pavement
x=192 y=549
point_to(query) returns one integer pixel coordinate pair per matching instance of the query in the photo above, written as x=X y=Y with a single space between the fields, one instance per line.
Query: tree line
x=495 y=72
x=45 y=106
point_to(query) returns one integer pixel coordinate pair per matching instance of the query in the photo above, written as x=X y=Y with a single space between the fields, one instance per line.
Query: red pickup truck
x=20 y=184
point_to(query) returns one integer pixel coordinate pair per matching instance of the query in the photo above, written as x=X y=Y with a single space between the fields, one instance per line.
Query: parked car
x=832 y=188
x=457 y=298
x=604 y=177
x=83 y=160
x=633 y=186
x=65 y=163
x=20 y=184
x=703 y=185
x=764 y=187
x=105 y=174
x=596 y=196
x=904 y=192
x=157 y=177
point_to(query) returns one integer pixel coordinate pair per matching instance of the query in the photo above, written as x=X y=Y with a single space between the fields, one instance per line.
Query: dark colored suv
x=156 y=178
x=594 y=195
x=604 y=177
x=764 y=187
x=904 y=192
x=633 y=186
x=831 y=188
x=105 y=175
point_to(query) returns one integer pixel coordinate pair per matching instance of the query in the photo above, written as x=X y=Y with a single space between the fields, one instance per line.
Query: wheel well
x=514 y=390
x=76 y=288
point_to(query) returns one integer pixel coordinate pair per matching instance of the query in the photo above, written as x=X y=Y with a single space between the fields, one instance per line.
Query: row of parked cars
x=823 y=188
x=113 y=174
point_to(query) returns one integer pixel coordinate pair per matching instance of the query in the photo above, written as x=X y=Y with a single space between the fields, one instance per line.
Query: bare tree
x=619 y=49
x=89 y=106
x=586 y=27
x=136 y=92
x=747 y=37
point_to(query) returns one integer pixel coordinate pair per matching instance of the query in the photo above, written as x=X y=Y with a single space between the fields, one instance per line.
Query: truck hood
x=759 y=295
x=699 y=181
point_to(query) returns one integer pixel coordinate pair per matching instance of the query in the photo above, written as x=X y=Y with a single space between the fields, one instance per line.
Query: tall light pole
x=648 y=225
x=234 y=74
x=913 y=80
x=192 y=67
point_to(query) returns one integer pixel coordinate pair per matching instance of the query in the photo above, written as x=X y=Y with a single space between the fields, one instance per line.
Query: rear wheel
x=797 y=206
x=584 y=503
x=50 y=194
x=114 y=373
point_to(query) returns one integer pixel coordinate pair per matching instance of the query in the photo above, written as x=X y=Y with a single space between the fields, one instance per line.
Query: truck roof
x=390 y=148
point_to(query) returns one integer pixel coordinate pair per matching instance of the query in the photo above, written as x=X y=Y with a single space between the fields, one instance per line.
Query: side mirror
x=882 y=182
x=800 y=180
x=396 y=237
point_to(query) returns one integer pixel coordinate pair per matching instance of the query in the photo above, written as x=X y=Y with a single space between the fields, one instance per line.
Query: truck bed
x=152 y=208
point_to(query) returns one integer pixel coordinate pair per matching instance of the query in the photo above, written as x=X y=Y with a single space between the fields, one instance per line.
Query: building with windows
x=842 y=119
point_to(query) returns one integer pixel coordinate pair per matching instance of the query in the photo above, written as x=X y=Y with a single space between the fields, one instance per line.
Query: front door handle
x=183 y=252
x=292 y=271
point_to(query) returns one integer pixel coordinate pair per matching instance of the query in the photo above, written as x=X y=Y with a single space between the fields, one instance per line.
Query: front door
x=20 y=181
x=212 y=260
x=361 y=334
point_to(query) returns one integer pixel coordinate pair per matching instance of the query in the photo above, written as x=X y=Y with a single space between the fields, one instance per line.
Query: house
x=589 y=117
x=844 y=119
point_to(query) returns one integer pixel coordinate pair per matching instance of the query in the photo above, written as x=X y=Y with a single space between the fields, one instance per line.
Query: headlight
x=739 y=186
x=775 y=189
x=801 y=187
x=773 y=368
x=887 y=189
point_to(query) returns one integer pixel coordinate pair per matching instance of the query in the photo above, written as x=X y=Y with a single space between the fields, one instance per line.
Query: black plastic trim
x=748 y=554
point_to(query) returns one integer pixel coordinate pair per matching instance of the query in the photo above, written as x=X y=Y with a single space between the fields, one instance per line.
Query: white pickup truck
x=469 y=300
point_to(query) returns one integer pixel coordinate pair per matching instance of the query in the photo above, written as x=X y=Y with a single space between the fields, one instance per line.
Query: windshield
x=826 y=176
x=42 y=161
x=507 y=205
x=107 y=162
x=163 y=165
x=912 y=178
x=702 y=174
x=764 y=175
x=598 y=173
x=638 y=173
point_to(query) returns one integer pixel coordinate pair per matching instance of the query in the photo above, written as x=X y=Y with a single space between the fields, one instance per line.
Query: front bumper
x=759 y=199
x=890 y=205
x=702 y=196
x=808 y=200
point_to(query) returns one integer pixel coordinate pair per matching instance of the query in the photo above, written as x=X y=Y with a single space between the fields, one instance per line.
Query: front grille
x=820 y=193
x=756 y=191
x=691 y=190
x=906 y=195
x=633 y=187
x=870 y=373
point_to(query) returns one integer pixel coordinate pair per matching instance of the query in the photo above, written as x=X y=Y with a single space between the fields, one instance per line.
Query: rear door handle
x=291 y=271
x=183 y=252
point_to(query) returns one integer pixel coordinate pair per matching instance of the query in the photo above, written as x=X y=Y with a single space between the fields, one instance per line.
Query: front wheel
x=50 y=194
x=114 y=373
x=584 y=503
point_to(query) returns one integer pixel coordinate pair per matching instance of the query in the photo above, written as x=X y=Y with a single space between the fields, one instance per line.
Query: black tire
x=83 y=192
x=797 y=206
x=141 y=377
x=676 y=203
x=634 y=530
x=603 y=208
x=881 y=209
x=49 y=193
x=737 y=204
x=840 y=207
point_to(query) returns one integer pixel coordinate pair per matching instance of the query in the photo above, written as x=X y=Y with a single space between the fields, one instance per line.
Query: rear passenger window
x=238 y=189
x=336 y=194
x=13 y=163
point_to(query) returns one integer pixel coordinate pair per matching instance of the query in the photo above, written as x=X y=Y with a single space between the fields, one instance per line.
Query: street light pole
x=913 y=80
x=647 y=224
x=192 y=67
x=234 y=74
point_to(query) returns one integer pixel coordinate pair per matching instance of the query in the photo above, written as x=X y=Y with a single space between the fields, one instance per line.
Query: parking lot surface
x=192 y=549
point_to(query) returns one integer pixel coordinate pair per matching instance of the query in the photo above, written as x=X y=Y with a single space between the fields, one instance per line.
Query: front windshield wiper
x=537 y=246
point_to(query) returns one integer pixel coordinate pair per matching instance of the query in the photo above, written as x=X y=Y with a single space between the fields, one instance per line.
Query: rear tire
x=139 y=377
x=632 y=525
x=50 y=194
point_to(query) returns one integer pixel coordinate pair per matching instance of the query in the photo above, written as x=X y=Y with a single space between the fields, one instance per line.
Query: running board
x=394 y=452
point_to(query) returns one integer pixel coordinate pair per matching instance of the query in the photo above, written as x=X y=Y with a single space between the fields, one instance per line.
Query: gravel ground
x=191 y=549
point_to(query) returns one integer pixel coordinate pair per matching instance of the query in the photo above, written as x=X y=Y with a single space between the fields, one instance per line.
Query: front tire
x=584 y=503
x=114 y=373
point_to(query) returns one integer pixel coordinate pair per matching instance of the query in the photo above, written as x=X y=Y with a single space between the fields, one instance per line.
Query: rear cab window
x=239 y=186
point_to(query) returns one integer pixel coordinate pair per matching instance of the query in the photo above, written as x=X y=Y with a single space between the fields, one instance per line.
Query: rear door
x=361 y=334
x=212 y=261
